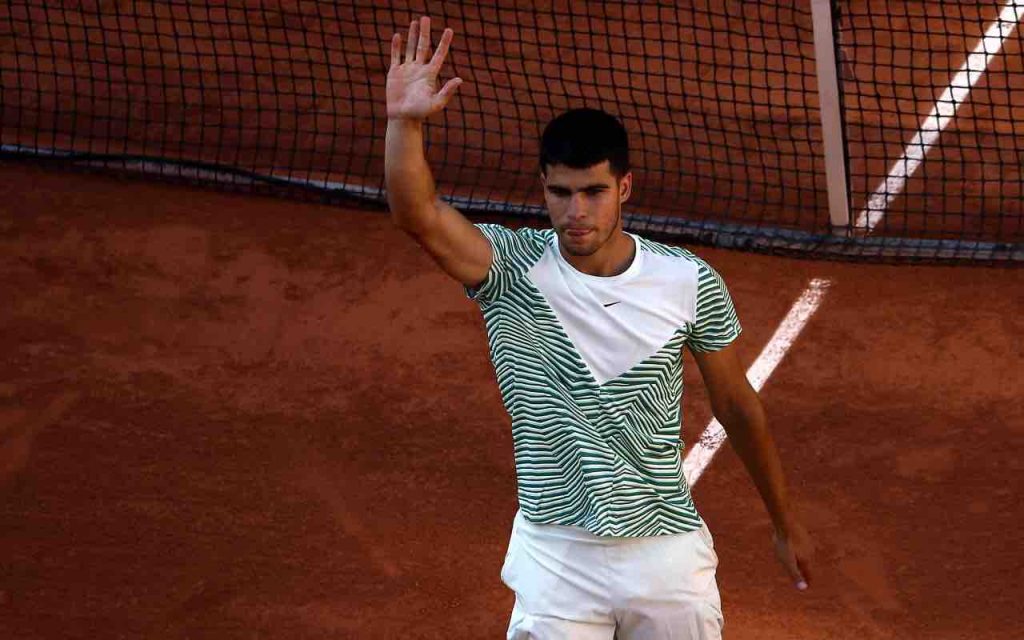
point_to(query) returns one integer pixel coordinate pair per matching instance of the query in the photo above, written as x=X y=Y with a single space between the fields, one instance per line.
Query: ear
x=626 y=186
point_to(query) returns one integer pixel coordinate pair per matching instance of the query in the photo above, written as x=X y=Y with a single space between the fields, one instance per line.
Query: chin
x=581 y=252
x=576 y=249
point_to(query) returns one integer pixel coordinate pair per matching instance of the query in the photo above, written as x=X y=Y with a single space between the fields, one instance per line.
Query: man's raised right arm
x=452 y=241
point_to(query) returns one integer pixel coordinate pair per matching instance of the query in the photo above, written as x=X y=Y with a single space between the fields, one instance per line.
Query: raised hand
x=412 y=85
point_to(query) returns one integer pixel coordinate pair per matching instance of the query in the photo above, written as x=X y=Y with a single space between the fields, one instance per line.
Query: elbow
x=744 y=413
x=415 y=220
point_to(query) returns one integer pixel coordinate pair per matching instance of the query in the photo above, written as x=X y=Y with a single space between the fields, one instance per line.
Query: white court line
x=941 y=115
x=714 y=436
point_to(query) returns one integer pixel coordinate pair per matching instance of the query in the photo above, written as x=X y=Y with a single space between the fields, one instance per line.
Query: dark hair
x=581 y=138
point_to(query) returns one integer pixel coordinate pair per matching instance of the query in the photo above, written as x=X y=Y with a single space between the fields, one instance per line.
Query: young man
x=586 y=325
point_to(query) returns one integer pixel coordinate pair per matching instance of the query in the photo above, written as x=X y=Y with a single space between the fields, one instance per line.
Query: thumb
x=447 y=91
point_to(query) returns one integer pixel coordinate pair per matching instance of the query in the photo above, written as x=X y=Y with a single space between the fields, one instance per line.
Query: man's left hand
x=795 y=549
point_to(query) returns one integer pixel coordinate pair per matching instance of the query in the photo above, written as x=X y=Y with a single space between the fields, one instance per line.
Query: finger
x=448 y=90
x=396 y=50
x=423 y=48
x=410 y=46
x=442 y=49
x=788 y=559
x=805 y=571
x=799 y=579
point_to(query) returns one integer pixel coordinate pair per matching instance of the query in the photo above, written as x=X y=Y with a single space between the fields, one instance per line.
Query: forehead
x=559 y=174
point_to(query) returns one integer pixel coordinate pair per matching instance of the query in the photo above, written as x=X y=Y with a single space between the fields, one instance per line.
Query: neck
x=613 y=258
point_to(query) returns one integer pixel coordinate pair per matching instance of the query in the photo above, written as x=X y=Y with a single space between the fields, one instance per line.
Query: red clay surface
x=225 y=416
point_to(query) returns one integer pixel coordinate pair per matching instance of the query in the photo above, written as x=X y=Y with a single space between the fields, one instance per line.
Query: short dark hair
x=581 y=138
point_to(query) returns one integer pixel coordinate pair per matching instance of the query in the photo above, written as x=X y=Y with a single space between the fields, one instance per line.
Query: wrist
x=785 y=523
x=405 y=122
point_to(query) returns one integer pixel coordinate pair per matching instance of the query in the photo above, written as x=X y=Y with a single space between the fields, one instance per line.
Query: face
x=585 y=205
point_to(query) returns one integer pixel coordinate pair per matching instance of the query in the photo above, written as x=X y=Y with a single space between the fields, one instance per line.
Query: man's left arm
x=738 y=407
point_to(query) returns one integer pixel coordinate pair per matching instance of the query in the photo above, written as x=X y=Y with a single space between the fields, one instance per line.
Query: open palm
x=412 y=85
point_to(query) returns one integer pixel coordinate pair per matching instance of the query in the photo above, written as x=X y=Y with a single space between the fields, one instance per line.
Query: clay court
x=232 y=415
x=237 y=416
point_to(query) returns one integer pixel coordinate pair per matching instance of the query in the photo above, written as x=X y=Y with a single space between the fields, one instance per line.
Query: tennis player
x=586 y=325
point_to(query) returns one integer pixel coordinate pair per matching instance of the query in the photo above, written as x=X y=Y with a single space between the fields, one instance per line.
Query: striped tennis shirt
x=590 y=370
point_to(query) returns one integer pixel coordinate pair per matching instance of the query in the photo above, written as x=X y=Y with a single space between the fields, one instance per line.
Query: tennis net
x=720 y=98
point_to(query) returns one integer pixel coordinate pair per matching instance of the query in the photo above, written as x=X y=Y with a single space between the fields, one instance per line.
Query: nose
x=576 y=209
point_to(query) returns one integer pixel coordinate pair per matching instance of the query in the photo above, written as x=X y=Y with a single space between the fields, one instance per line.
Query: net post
x=831 y=115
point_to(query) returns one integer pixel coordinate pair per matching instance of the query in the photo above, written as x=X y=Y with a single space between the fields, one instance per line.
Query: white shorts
x=572 y=584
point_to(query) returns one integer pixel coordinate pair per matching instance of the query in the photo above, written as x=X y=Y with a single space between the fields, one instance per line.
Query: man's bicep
x=457 y=245
x=723 y=374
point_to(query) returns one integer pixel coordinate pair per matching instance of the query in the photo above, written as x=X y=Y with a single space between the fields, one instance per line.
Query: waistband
x=578 y=534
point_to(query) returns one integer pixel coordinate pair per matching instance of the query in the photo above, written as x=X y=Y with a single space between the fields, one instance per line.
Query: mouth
x=577 y=233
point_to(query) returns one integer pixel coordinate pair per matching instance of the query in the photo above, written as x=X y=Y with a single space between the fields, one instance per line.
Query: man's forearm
x=410 y=185
x=747 y=427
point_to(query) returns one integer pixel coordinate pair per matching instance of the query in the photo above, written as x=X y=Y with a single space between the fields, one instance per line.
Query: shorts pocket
x=709 y=544
x=508 y=566
x=705 y=534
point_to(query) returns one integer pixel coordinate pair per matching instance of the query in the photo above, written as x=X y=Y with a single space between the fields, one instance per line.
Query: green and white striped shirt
x=590 y=371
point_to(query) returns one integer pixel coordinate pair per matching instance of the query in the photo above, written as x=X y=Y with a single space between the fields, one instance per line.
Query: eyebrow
x=589 y=187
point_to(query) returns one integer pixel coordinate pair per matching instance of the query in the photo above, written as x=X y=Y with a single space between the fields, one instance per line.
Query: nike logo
x=611 y=303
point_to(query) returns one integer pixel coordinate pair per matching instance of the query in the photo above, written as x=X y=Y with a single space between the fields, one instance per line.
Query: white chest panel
x=617 y=322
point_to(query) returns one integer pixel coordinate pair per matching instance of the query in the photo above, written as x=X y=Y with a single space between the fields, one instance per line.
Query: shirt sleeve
x=716 y=324
x=514 y=252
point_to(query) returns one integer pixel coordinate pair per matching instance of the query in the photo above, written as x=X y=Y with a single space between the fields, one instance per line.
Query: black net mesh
x=934 y=97
x=720 y=99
